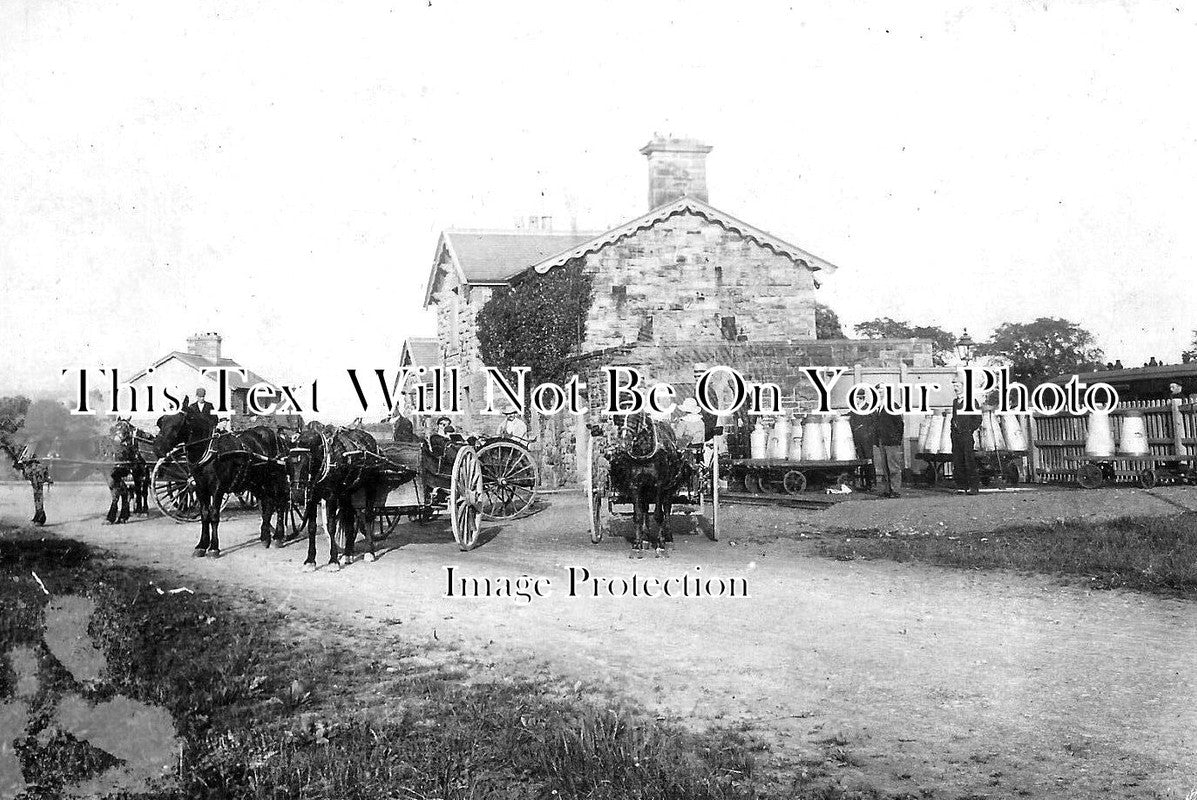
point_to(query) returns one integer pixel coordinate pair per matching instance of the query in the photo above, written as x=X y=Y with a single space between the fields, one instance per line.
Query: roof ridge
x=665 y=211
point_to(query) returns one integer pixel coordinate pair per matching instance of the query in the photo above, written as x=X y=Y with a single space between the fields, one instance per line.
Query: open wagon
x=491 y=479
x=173 y=489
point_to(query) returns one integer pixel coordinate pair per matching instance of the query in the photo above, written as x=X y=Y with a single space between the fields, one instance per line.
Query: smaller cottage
x=182 y=373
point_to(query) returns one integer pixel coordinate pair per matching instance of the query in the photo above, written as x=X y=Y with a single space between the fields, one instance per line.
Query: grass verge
x=269 y=706
x=1148 y=554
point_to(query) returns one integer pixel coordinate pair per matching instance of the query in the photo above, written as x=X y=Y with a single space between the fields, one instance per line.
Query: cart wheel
x=508 y=479
x=931 y=475
x=752 y=482
x=1011 y=474
x=794 y=482
x=1149 y=478
x=846 y=479
x=174 y=491
x=1089 y=476
x=596 y=483
x=465 y=497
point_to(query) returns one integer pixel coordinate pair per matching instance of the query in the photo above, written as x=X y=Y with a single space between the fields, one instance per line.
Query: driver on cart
x=514 y=427
x=690 y=432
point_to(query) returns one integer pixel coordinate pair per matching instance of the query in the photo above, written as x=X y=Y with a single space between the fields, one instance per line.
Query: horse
x=126 y=463
x=130 y=462
x=648 y=466
x=252 y=460
x=334 y=464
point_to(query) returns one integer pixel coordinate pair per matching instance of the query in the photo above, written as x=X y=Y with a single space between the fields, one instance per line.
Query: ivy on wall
x=537 y=322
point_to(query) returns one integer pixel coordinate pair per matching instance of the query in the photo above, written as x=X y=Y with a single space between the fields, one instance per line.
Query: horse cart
x=472 y=480
x=173 y=489
x=699 y=492
x=786 y=476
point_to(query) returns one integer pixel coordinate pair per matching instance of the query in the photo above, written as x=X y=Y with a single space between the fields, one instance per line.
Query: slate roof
x=199 y=363
x=490 y=258
x=421 y=353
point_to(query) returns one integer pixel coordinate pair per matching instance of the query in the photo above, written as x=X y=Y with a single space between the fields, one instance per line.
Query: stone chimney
x=206 y=345
x=676 y=167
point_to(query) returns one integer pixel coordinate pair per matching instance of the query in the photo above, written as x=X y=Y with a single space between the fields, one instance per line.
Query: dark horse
x=128 y=462
x=252 y=460
x=648 y=467
x=335 y=465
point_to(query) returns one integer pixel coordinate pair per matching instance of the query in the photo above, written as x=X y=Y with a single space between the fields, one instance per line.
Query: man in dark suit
x=203 y=406
x=964 y=456
x=887 y=453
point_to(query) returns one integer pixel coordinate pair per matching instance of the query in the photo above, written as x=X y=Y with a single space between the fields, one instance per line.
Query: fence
x=1058 y=441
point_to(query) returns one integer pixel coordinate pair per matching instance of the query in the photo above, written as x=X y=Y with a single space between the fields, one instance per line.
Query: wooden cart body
x=1058 y=447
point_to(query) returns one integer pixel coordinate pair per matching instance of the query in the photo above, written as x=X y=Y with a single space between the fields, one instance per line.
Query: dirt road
x=992 y=685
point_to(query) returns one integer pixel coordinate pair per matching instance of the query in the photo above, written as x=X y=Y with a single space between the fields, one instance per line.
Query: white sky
x=279 y=171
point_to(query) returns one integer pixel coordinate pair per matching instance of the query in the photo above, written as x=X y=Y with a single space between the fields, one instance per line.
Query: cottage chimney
x=206 y=345
x=676 y=167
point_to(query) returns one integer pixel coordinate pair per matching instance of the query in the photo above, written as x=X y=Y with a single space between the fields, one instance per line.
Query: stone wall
x=687 y=278
x=780 y=363
x=457 y=307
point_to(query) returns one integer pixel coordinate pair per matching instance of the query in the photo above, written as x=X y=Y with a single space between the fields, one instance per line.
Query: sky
x=280 y=171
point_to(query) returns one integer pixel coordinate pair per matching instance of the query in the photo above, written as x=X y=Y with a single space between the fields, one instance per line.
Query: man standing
x=690 y=429
x=887 y=453
x=964 y=457
x=201 y=403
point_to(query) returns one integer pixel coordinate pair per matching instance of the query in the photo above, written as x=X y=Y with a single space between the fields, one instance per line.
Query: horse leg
x=214 y=510
x=332 y=507
x=282 y=500
x=124 y=490
x=664 y=509
x=309 y=524
x=267 y=508
x=368 y=526
x=639 y=520
x=205 y=507
x=348 y=523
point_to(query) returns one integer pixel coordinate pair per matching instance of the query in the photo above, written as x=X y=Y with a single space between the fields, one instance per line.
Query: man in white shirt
x=514 y=427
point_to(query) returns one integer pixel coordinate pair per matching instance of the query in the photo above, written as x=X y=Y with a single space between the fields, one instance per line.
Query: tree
x=1044 y=349
x=1191 y=353
x=827 y=323
x=12 y=414
x=885 y=328
x=537 y=322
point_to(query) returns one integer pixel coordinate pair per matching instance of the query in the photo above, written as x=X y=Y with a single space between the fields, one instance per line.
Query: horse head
x=638 y=436
x=305 y=461
x=172 y=432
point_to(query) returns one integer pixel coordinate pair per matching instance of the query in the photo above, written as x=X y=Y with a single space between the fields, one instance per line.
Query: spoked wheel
x=1090 y=476
x=508 y=479
x=752 y=482
x=794 y=482
x=174 y=490
x=1149 y=478
x=596 y=487
x=466 y=497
